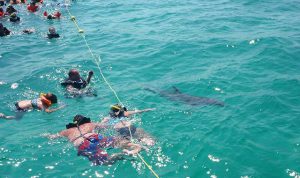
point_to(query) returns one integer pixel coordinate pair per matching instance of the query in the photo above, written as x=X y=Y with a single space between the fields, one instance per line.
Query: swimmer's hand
x=51 y=136
x=149 y=109
x=91 y=73
x=129 y=153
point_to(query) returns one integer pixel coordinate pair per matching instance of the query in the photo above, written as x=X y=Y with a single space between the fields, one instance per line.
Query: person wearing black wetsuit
x=14 y=18
x=52 y=33
x=76 y=81
x=3 y=30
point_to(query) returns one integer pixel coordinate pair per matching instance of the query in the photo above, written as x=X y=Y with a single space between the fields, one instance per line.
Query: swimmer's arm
x=55 y=109
x=89 y=77
x=128 y=113
x=55 y=136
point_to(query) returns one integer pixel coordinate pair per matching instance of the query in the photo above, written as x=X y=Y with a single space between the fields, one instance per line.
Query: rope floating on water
x=97 y=62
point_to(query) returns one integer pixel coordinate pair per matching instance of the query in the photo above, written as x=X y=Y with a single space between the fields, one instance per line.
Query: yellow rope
x=101 y=73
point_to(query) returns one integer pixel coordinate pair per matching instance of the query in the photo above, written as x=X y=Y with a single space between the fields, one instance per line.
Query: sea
x=245 y=53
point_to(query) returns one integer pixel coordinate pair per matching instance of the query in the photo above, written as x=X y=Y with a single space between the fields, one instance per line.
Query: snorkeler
x=92 y=145
x=52 y=33
x=2 y=3
x=117 y=111
x=32 y=7
x=15 y=2
x=2 y=13
x=41 y=103
x=3 y=30
x=28 y=31
x=14 y=18
x=76 y=85
x=10 y=9
x=125 y=128
x=55 y=15
x=76 y=81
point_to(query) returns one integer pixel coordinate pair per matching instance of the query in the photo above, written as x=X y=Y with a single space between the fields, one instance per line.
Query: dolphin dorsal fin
x=176 y=89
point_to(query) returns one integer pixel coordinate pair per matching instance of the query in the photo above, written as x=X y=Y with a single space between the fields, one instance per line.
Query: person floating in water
x=3 y=30
x=92 y=145
x=125 y=128
x=2 y=13
x=10 y=9
x=2 y=3
x=32 y=7
x=14 y=18
x=117 y=111
x=28 y=31
x=52 y=33
x=75 y=83
x=15 y=2
x=41 y=103
x=55 y=15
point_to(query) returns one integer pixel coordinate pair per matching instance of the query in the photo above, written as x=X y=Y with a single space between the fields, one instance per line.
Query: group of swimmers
x=82 y=132
x=11 y=13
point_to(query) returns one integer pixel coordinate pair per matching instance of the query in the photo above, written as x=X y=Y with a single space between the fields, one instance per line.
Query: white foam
x=214 y=159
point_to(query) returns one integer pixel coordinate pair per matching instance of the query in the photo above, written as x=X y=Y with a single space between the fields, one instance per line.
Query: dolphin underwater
x=176 y=95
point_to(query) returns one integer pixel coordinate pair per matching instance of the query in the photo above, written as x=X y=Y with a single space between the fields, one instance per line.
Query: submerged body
x=176 y=95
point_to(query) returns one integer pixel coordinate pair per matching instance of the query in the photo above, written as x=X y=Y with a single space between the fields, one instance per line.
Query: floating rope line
x=97 y=61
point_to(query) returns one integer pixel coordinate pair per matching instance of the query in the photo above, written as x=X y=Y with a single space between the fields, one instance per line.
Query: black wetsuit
x=11 y=10
x=55 y=35
x=121 y=114
x=79 y=84
x=14 y=19
x=4 y=32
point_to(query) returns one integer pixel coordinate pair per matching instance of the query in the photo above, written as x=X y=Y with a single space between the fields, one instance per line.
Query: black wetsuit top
x=50 y=36
x=121 y=114
x=16 y=19
x=11 y=10
x=4 y=32
x=79 y=84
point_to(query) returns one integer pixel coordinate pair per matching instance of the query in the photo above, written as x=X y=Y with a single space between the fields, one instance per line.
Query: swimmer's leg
x=3 y=116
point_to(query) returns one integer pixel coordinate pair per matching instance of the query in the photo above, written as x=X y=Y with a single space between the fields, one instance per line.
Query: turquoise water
x=243 y=53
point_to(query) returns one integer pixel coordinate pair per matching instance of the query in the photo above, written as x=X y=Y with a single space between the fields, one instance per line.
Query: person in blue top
x=43 y=102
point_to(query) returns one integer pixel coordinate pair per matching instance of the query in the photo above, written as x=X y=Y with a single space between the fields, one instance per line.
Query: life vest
x=32 y=8
x=44 y=100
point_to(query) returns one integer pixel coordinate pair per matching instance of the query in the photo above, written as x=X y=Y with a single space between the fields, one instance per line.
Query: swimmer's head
x=52 y=30
x=1 y=25
x=51 y=97
x=80 y=119
x=74 y=74
x=32 y=3
x=116 y=108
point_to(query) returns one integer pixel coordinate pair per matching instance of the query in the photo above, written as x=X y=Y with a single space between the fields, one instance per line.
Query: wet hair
x=52 y=98
x=77 y=121
x=73 y=72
